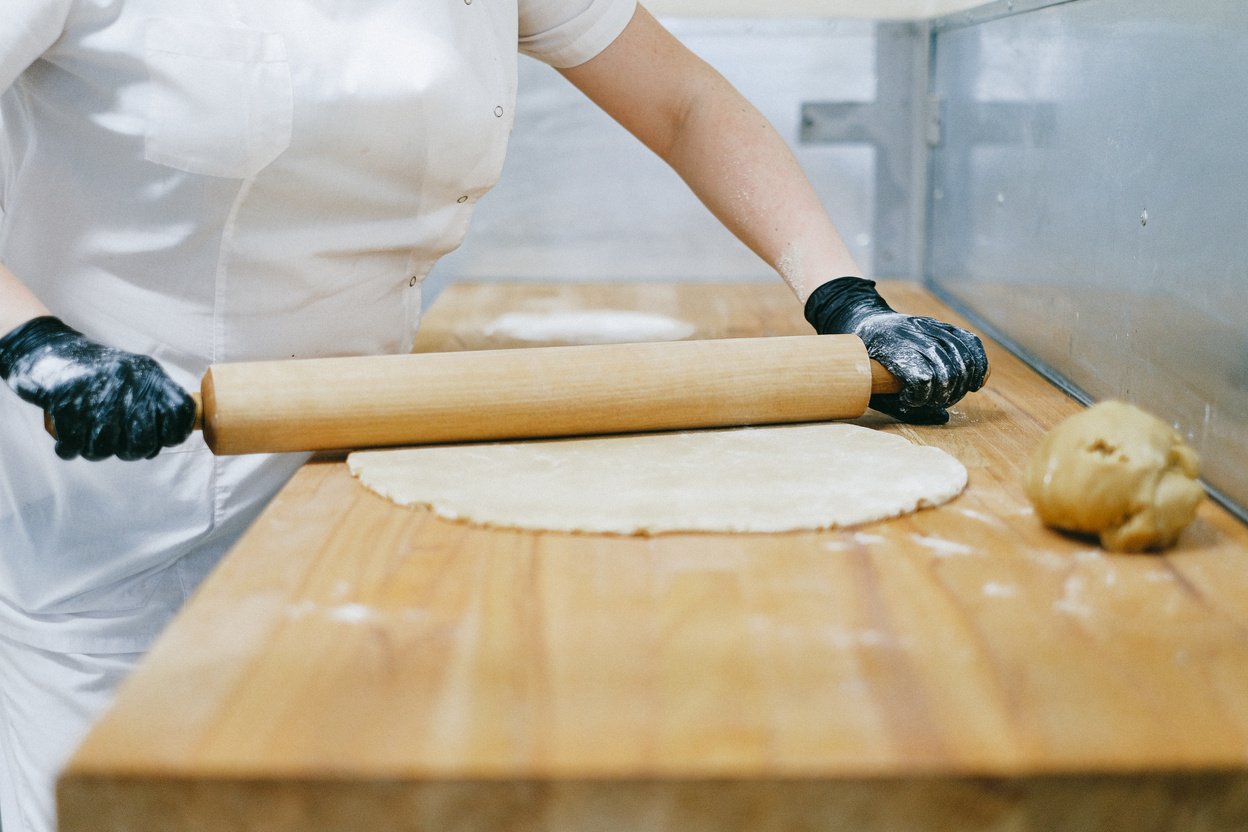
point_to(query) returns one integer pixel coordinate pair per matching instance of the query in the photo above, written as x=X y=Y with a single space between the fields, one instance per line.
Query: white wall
x=873 y=9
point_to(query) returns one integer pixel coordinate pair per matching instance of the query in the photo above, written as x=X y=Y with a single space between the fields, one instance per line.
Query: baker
x=187 y=183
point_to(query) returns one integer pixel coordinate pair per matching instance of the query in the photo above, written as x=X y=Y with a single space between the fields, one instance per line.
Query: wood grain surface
x=356 y=666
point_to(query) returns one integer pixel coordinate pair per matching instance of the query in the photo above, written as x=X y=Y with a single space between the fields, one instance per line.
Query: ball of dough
x=1118 y=472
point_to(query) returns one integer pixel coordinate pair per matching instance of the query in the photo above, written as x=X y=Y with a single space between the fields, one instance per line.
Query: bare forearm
x=743 y=171
x=722 y=146
x=17 y=303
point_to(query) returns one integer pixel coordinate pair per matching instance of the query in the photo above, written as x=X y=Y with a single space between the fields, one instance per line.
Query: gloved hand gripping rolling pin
x=102 y=401
x=937 y=363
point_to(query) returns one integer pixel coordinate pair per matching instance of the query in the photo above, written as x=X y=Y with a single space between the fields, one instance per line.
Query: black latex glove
x=937 y=363
x=103 y=401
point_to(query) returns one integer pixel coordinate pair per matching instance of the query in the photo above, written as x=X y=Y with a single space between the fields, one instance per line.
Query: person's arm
x=721 y=145
x=103 y=401
x=17 y=303
x=742 y=170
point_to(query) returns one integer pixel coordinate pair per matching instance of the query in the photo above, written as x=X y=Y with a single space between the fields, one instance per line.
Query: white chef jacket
x=211 y=182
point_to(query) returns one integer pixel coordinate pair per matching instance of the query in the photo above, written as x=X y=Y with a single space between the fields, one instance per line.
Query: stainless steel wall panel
x=1089 y=201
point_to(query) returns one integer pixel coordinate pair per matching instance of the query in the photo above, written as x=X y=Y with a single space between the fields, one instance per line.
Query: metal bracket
x=933 y=123
x=895 y=125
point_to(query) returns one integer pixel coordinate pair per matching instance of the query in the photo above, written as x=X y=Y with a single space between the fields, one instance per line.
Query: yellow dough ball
x=1118 y=472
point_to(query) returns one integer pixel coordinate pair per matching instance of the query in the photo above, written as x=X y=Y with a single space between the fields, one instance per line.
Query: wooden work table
x=353 y=665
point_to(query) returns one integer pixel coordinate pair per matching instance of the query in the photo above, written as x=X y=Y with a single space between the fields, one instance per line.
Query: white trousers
x=48 y=701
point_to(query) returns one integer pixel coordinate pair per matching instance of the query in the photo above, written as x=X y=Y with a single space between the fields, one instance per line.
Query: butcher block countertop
x=353 y=665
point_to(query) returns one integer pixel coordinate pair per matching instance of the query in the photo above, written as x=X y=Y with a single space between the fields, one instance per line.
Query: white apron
x=227 y=181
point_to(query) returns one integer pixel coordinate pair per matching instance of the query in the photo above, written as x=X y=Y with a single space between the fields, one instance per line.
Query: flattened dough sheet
x=768 y=479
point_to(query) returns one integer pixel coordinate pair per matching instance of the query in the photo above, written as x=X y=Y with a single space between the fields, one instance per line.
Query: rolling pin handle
x=882 y=381
x=199 y=417
x=199 y=411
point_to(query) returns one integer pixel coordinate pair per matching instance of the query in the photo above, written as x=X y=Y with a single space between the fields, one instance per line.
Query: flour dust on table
x=587 y=326
x=764 y=479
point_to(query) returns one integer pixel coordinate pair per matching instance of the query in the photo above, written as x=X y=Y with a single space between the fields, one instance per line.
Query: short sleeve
x=565 y=33
x=30 y=28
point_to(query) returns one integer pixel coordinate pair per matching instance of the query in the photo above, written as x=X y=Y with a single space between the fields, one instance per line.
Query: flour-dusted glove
x=103 y=401
x=937 y=363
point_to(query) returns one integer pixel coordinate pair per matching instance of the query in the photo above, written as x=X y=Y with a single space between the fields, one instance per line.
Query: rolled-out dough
x=769 y=479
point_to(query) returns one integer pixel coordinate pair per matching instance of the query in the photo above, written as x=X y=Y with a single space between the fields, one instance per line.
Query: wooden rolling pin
x=422 y=398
